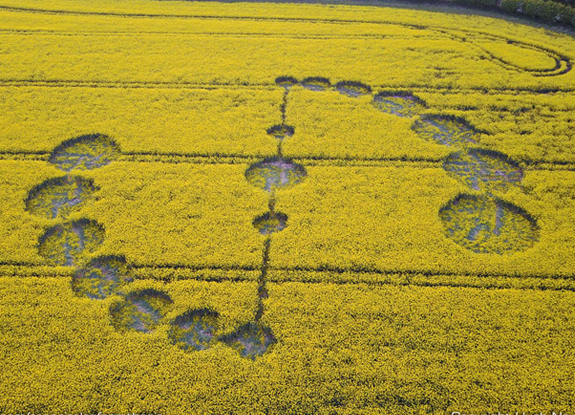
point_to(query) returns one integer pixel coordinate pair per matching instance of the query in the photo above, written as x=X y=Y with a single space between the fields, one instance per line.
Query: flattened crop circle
x=484 y=170
x=316 y=83
x=59 y=197
x=250 y=340
x=281 y=132
x=194 y=330
x=70 y=243
x=446 y=130
x=101 y=278
x=270 y=222
x=485 y=224
x=286 y=81
x=275 y=174
x=85 y=153
x=353 y=88
x=400 y=103
x=140 y=311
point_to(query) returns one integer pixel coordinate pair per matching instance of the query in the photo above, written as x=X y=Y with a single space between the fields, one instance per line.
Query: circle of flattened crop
x=286 y=81
x=59 y=197
x=140 y=311
x=270 y=222
x=402 y=104
x=446 y=130
x=485 y=224
x=484 y=170
x=194 y=330
x=353 y=88
x=101 y=278
x=250 y=340
x=85 y=153
x=70 y=243
x=275 y=174
x=316 y=83
x=281 y=131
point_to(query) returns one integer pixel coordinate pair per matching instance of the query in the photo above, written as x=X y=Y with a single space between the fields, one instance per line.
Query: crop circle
x=70 y=243
x=251 y=340
x=316 y=83
x=270 y=222
x=275 y=174
x=59 y=197
x=399 y=103
x=486 y=224
x=85 y=152
x=101 y=278
x=140 y=311
x=484 y=170
x=446 y=130
x=194 y=330
x=353 y=88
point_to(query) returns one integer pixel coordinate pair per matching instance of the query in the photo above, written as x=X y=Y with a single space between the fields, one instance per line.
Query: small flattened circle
x=101 y=278
x=281 y=131
x=194 y=330
x=316 y=83
x=251 y=340
x=286 y=81
x=140 y=311
x=446 y=130
x=70 y=243
x=353 y=88
x=399 y=103
x=59 y=197
x=484 y=170
x=270 y=222
x=485 y=224
x=275 y=174
x=85 y=153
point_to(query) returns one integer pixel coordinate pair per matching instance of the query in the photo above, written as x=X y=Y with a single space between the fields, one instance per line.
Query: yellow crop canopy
x=250 y=208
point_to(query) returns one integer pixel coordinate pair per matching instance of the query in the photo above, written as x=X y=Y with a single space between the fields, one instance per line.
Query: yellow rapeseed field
x=252 y=208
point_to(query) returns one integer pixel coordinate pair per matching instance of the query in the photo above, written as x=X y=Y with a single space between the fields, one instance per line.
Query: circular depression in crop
x=194 y=330
x=140 y=311
x=85 y=152
x=486 y=224
x=59 y=197
x=484 y=170
x=275 y=174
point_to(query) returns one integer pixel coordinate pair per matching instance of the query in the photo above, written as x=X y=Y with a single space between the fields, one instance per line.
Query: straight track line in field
x=201 y=17
x=22 y=270
x=72 y=83
x=279 y=35
x=247 y=159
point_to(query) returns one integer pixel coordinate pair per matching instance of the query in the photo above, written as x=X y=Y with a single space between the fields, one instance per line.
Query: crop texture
x=283 y=209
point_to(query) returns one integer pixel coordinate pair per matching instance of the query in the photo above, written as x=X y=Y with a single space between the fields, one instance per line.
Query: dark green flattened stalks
x=194 y=330
x=140 y=311
x=85 y=153
x=251 y=340
x=59 y=197
x=102 y=278
x=486 y=224
x=70 y=244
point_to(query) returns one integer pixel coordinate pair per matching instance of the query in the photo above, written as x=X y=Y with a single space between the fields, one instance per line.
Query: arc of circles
x=479 y=221
x=71 y=243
